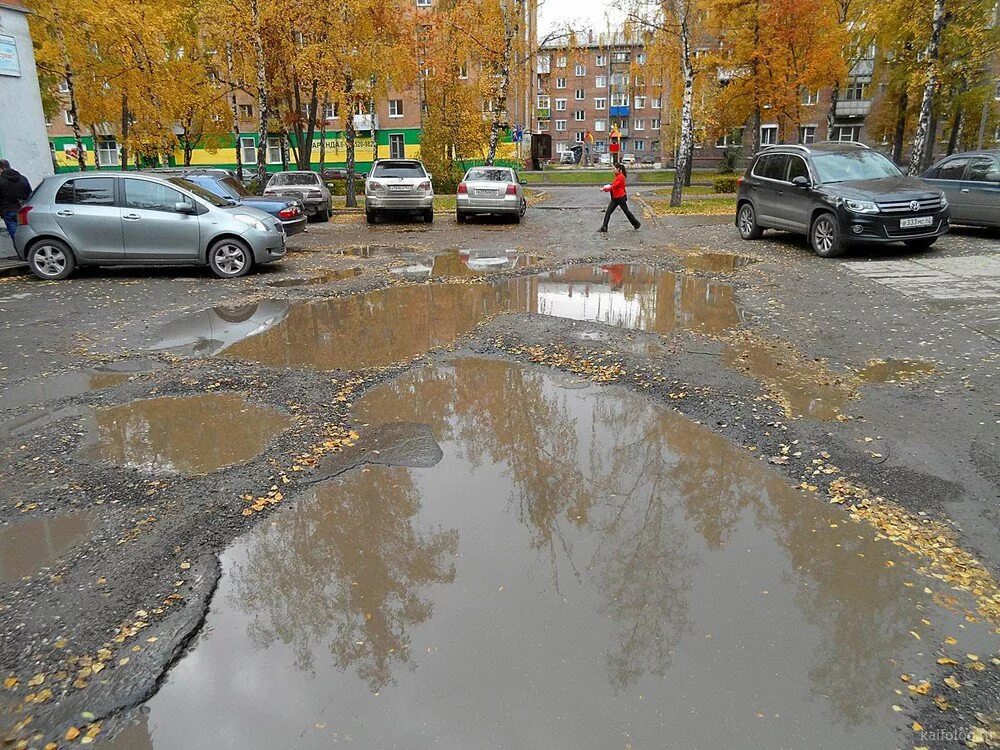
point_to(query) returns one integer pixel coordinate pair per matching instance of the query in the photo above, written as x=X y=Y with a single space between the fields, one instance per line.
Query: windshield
x=235 y=187
x=398 y=169
x=844 y=166
x=198 y=190
x=294 y=178
x=489 y=175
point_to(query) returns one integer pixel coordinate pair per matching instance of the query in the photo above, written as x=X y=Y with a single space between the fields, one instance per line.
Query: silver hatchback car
x=126 y=218
x=490 y=190
x=398 y=185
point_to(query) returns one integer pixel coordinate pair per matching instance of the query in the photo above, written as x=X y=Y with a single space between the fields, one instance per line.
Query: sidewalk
x=9 y=264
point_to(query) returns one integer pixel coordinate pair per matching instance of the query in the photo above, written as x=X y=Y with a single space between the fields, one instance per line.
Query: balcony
x=543 y=113
x=622 y=111
x=853 y=107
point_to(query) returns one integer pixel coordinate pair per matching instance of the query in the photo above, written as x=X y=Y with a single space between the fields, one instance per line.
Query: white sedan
x=490 y=190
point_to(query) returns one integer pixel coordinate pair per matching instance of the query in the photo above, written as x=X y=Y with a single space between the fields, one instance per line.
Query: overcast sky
x=593 y=14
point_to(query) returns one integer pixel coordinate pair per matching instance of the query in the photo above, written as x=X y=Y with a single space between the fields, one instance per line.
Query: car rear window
x=489 y=175
x=294 y=178
x=91 y=191
x=398 y=169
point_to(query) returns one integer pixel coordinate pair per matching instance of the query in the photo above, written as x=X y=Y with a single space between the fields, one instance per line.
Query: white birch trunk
x=687 y=104
x=920 y=151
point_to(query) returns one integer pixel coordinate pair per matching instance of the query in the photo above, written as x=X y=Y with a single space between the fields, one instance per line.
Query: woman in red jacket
x=619 y=199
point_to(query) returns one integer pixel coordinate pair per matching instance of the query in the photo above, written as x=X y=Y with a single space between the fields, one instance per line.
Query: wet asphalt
x=157 y=426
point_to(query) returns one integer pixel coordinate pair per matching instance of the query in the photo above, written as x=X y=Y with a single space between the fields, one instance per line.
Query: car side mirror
x=430 y=176
x=800 y=181
x=183 y=207
x=522 y=180
x=993 y=175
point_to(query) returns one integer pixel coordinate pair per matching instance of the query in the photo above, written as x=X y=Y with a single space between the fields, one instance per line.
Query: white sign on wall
x=9 y=65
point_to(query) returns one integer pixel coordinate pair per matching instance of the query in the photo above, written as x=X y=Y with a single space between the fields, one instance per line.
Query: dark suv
x=837 y=194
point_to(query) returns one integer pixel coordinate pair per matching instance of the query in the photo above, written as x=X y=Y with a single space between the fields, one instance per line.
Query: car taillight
x=22 y=216
x=425 y=185
x=512 y=189
x=288 y=213
x=739 y=181
x=463 y=189
x=374 y=185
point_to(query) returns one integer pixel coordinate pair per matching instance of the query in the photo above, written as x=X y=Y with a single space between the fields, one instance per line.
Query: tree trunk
x=371 y=110
x=306 y=144
x=920 y=150
x=124 y=132
x=900 y=135
x=284 y=150
x=322 y=144
x=81 y=158
x=956 y=126
x=684 y=152
x=234 y=108
x=831 y=116
x=500 y=101
x=262 y=95
x=350 y=199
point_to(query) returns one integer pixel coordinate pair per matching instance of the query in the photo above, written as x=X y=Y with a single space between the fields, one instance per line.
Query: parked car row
x=839 y=194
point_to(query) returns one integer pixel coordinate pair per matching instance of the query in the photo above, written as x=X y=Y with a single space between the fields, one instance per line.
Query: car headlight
x=861 y=207
x=250 y=221
x=944 y=201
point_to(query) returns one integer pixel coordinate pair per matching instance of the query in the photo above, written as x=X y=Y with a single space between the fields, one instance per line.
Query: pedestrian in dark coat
x=619 y=199
x=14 y=190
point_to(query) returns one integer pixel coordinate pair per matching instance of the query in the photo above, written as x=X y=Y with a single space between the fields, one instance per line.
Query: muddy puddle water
x=717 y=262
x=323 y=277
x=582 y=569
x=896 y=371
x=183 y=434
x=29 y=545
x=58 y=386
x=467 y=264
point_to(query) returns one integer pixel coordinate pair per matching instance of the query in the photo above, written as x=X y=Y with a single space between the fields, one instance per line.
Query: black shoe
x=637 y=227
x=603 y=229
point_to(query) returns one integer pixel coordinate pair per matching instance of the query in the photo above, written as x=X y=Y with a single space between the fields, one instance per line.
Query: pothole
x=896 y=371
x=574 y=551
x=27 y=546
x=46 y=388
x=181 y=434
x=717 y=262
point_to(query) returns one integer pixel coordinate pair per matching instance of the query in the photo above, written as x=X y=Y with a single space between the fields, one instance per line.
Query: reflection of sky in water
x=594 y=303
x=583 y=568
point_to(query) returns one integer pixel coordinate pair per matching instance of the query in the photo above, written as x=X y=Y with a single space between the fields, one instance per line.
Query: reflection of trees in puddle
x=347 y=567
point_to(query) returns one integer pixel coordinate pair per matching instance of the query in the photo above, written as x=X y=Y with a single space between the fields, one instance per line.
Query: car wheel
x=325 y=215
x=516 y=218
x=825 y=237
x=51 y=260
x=460 y=217
x=746 y=220
x=370 y=216
x=523 y=208
x=921 y=244
x=429 y=215
x=229 y=258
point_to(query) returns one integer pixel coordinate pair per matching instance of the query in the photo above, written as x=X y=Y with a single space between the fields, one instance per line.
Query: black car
x=223 y=183
x=837 y=194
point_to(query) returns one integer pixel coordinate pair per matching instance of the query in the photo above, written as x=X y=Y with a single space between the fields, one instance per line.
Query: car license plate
x=487 y=193
x=399 y=188
x=916 y=221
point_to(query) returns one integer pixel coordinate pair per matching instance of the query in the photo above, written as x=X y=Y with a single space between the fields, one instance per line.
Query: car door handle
x=64 y=212
x=965 y=190
x=131 y=217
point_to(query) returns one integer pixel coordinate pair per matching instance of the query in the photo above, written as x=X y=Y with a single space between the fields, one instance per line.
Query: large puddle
x=29 y=545
x=183 y=434
x=48 y=388
x=582 y=569
x=399 y=322
x=466 y=264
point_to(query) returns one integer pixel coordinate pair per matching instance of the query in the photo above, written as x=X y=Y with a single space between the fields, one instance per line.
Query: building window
x=63 y=87
x=330 y=111
x=580 y=69
x=846 y=133
x=600 y=103
x=580 y=94
x=273 y=150
x=654 y=103
x=768 y=135
x=579 y=136
x=641 y=58
x=735 y=138
x=395 y=108
x=423 y=3
x=107 y=151
x=560 y=126
x=640 y=82
x=809 y=97
x=543 y=124
x=560 y=83
x=807 y=134
x=619 y=100
x=638 y=145
x=248 y=150
x=600 y=126
x=561 y=61
x=246 y=111
x=640 y=102
x=600 y=61
x=397 y=147
x=560 y=105
x=579 y=115
x=601 y=82
x=617 y=80
x=856 y=91
x=619 y=57
x=67 y=117
x=654 y=123
x=639 y=125
x=463 y=71
x=542 y=101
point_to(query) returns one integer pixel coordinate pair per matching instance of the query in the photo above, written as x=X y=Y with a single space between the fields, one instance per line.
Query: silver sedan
x=125 y=218
x=490 y=190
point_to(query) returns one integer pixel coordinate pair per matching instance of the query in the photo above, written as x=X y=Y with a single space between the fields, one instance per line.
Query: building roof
x=15 y=5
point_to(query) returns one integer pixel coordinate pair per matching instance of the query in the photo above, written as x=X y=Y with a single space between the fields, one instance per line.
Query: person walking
x=619 y=199
x=14 y=189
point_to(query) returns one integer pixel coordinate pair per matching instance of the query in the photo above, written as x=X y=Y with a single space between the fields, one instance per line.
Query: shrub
x=725 y=183
x=729 y=158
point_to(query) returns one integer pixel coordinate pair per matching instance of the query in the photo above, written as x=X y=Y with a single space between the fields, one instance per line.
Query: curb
x=13 y=268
